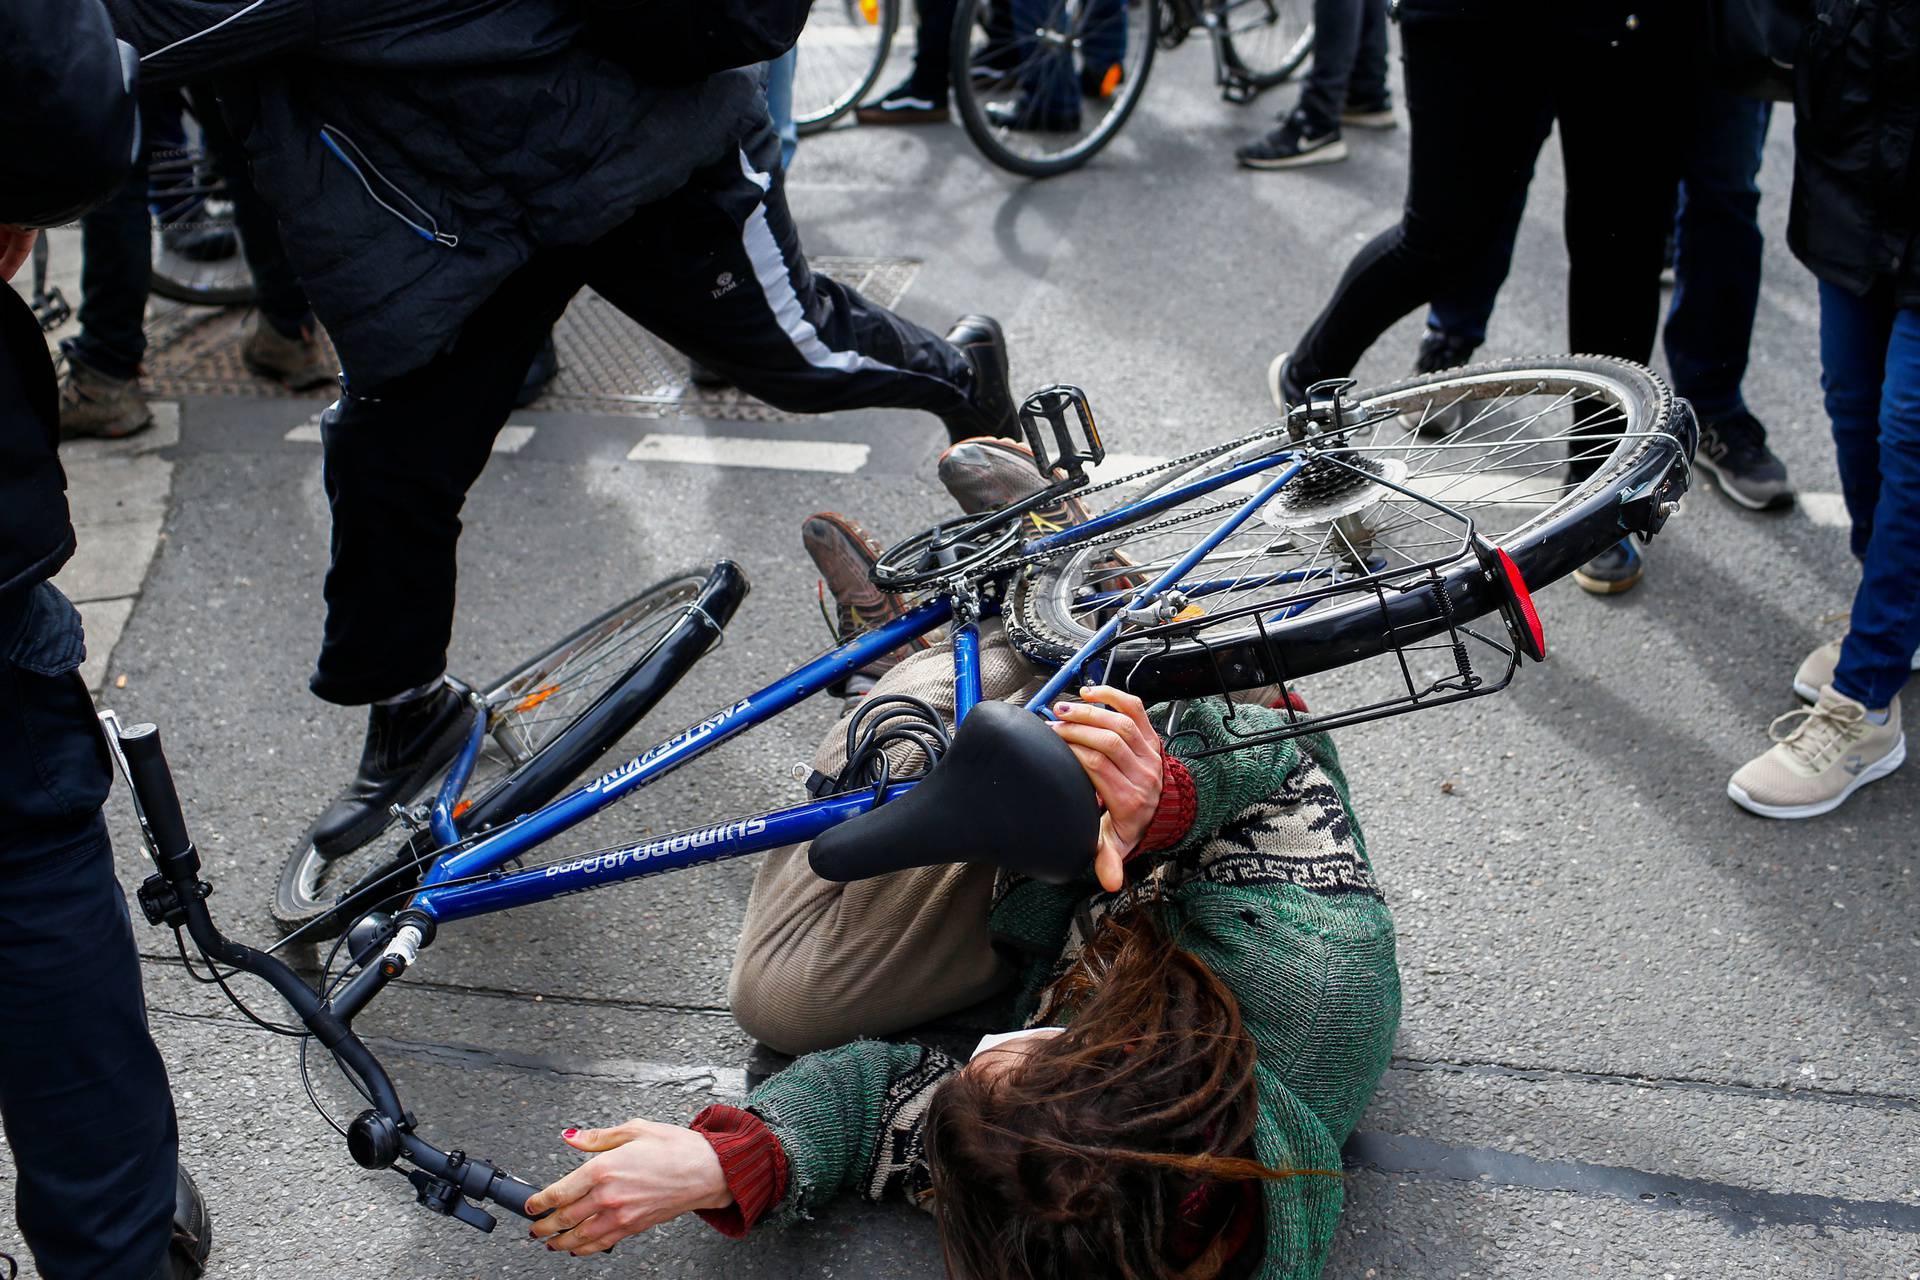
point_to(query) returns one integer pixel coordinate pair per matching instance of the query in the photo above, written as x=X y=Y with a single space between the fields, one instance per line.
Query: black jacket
x=416 y=152
x=68 y=120
x=1855 y=219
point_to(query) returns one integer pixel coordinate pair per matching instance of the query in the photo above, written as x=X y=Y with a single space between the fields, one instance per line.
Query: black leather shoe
x=992 y=411
x=192 y=1232
x=407 y=743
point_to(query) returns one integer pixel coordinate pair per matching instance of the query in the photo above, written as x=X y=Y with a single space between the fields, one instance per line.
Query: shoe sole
x=115 y=430
x=1605 y=587
x=1370 y=120
x=1276 y=369
x=1319 y=155
x=1872 y=773
x=1779 y=502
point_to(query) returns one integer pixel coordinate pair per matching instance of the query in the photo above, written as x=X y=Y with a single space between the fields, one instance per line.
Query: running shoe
x=1733 y=450
x=1618 y=568
x=1820 y=755
x=1298 y=142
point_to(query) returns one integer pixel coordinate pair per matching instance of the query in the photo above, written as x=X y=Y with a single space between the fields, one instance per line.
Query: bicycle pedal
x=1050 y=406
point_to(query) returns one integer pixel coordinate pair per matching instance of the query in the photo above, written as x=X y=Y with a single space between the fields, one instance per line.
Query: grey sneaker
x=299 y=362
x=1815 y=764
x=97 y=406
x=1734 y=452
x=987 y=472
x=1816 y=671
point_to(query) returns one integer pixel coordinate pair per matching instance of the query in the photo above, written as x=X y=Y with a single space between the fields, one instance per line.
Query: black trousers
x=1482 y=97
x=83 y=1092
x=714 y=269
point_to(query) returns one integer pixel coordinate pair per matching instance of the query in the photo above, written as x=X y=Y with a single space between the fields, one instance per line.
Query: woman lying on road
x=1206 y=1014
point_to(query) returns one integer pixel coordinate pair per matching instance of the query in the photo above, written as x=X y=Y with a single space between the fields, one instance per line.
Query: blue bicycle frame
x=469 y=882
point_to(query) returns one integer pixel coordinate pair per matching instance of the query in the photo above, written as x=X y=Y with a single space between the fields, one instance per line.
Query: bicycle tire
x=972 y=98
x=187 y=193
x=1640 y=466
x=811 y=116
x=308 y=889
x=1246 y=56
x=177 y=290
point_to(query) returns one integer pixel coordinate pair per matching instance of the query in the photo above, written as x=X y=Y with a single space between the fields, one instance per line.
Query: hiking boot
x=1614 y=570
x=1029 y=113
x=844 y=553
x=407 y=743
x=992 y=412
x=544 y=369
x=1299 y=141
x=94 y=405
x=1375 y=113
x=904 y=104
x=1733 y=450
x=987 y=473
x=1816 y=671
x=1815 y=764
x=1440 y=350
x=300 y=361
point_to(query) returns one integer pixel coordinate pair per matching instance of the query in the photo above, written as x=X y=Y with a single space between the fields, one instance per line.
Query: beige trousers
x=821 y=964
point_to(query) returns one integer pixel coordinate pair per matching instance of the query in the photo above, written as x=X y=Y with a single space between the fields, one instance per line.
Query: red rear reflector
x=1533 y=637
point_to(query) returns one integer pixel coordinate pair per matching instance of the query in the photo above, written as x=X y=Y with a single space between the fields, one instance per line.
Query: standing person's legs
x=717 y=270
x=922 y=97
x=277 y=290
x=116 y=270
x=1367 y=87
x=1477 y=124
x=780 y=104
x=1337 y=26
x=1716 y=271
x=398 y=461
x=1460 y=312
x=1876 y=427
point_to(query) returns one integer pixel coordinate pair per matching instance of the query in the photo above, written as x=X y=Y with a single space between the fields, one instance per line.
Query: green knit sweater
x=1272 y=890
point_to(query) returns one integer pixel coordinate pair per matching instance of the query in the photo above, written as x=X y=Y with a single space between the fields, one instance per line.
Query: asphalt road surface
x=1645 y=1034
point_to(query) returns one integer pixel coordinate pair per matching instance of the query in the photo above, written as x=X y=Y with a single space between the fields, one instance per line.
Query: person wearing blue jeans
x=1052 y=80
x=1855 y=224
x=1709 y=320
x=1347 y=85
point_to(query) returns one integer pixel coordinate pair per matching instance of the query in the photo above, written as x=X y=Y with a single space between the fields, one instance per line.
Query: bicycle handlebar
x=444 y=1181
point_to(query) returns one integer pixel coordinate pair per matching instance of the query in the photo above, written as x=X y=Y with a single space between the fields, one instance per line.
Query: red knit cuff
x=1178 y=805
x=753 y=1162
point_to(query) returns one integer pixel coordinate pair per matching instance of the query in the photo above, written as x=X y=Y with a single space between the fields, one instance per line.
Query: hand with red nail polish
x=643 y=1174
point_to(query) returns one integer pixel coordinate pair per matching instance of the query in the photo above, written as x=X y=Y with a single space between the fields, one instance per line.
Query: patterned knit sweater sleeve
x=849 y=1119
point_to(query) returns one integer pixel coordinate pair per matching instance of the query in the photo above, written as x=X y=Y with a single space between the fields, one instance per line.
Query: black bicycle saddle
x=1008 y=793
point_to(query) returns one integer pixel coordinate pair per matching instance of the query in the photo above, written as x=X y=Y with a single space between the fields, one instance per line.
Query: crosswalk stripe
x=512 y=438
x=737 y=451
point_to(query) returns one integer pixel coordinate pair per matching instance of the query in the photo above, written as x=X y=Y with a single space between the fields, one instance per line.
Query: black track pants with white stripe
x=716 y=270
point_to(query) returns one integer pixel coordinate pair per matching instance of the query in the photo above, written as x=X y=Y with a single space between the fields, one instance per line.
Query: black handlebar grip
x=153 y=788
x=511 y=1193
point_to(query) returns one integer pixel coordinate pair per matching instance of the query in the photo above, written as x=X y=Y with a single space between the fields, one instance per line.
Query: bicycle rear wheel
x=1265 y=41
x=197 y=256
x=1044 y=100
x=1554 y=462
x=842 y=51
x=528 y=710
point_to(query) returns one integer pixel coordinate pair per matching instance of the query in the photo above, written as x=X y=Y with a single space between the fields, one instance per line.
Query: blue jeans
x=1349 y=58
x=780 y=104
x=1717 y=254
x=1870 y=370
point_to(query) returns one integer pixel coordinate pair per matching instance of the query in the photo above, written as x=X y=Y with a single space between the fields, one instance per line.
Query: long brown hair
x=1076 y=1161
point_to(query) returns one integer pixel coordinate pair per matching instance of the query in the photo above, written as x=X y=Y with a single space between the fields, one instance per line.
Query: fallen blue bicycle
x=1384 y=541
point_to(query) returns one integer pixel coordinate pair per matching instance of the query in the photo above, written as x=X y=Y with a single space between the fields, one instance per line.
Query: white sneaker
x=1816 y=673
x=1814 y=766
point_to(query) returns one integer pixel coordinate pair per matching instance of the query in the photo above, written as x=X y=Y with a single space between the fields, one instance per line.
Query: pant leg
x=1854 y=335
x=716 y=270
x=116 y=271
x=1479 y=112
x=1369 y=80
x=933 y=49
x=278 y=293
x=398 y=461
x=780 y=104
x=1884 y=630
x=1622 y=168
x=1716 y=271
x=820 y=964
x=1336 y=42
x=1464 y=307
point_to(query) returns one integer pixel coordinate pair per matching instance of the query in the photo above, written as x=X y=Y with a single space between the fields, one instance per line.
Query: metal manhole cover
x=608 y=364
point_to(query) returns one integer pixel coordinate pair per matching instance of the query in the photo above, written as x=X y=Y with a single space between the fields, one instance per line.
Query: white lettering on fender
x=688 y=735
x=613 y=859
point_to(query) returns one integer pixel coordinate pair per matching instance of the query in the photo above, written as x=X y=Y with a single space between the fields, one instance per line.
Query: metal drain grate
x=608 y=364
